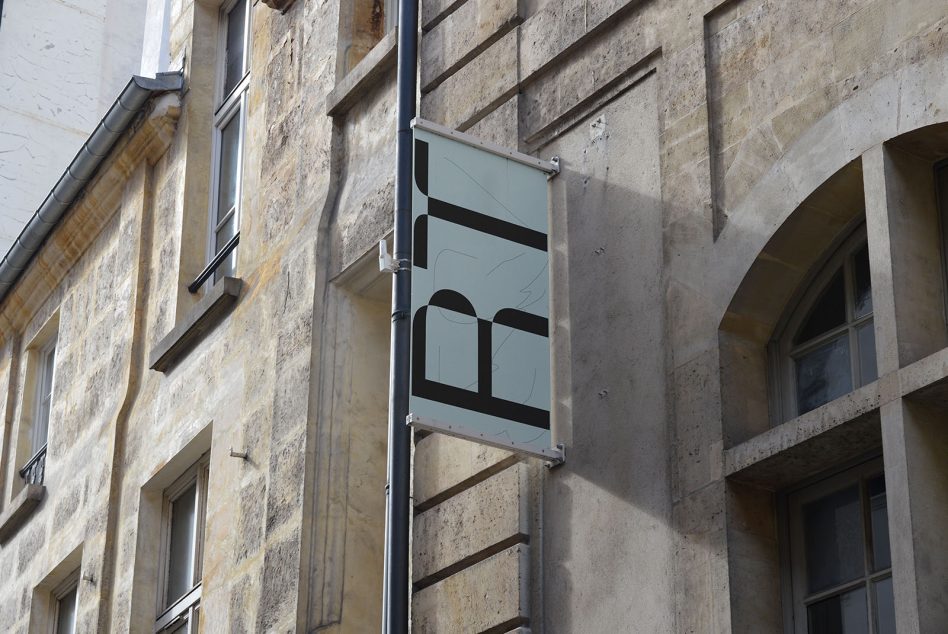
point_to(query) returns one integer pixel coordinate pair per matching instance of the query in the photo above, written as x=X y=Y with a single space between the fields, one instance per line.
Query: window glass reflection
x=833 y=529
x=181 y=548
x=879 y=518
x=833 y=346
x=862 y=300
x=230 y=141
x=842 y=614
x=823 y=374
x=66 y=613
x=234 y=56
x=866 y=338
x=828 y=313
x=884 y=607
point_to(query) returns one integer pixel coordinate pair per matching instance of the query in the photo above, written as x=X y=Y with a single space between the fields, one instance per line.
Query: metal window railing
x=34 y=471
x=215 y=262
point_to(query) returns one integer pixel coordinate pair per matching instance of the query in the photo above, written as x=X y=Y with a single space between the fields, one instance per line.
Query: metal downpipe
x=398 y=502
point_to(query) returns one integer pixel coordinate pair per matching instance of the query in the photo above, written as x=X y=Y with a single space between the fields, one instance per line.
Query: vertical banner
x=480 y=361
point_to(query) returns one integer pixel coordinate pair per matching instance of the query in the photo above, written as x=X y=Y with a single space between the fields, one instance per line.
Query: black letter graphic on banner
x=421 y=166
x=487 y=224
x=420 y=242
x=481 y=401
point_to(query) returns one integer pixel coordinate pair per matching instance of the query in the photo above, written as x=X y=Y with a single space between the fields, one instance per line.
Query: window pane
x=862 y=302
x=49 y=363
x=879 y=522
x=66 y=613
x=828 y=313
x=866 y=336
x=41 y=424
x=181 y=545
x=227 y=184
x=834 y=540
x=41 y=432
x=823 y=374
x=234 y=56
x=843 y=614
x=885 y=607
x=224 y=234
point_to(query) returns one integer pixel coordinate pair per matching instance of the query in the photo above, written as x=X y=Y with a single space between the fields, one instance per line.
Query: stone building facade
x=748 y=305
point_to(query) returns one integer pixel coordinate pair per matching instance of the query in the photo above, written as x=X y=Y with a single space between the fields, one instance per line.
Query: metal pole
x=398 y=502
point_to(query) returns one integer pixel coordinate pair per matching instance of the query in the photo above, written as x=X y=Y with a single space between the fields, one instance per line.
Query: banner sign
x=480 y=362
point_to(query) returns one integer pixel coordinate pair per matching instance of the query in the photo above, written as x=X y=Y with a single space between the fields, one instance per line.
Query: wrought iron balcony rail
x=34 y=471
x=214 y=263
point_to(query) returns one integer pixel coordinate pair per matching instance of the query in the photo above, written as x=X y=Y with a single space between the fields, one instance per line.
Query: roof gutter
x=81 y=170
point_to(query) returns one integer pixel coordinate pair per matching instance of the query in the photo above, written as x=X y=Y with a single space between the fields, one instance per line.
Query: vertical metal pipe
x=398 y=503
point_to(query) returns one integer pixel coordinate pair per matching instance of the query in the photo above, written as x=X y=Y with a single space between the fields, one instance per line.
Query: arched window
x=828 y=347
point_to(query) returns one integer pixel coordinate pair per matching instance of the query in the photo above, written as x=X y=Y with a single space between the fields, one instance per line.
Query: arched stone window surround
x=751 y=368
x=875 y=115
x=900 y=416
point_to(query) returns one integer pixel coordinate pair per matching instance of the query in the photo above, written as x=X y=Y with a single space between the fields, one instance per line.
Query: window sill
x=842 y=429
x=364 y=76
x=21 y=507
x=206 y=314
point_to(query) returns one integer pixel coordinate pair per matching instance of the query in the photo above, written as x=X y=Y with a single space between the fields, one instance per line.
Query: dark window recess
x=941 y=194
x=828 y=313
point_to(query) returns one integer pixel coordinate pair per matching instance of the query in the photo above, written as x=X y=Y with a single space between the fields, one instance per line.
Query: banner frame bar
x=554 y=455
x=549 y=167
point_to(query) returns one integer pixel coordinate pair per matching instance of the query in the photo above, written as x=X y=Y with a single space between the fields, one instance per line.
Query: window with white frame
x=229 y=124
x=182 y=532
x=34 y=470
x=841 y=564
x=65 y=606
x=828 y=347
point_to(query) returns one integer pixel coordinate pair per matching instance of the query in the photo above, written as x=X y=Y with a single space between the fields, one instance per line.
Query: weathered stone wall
x=688 y=131
x=744 y=92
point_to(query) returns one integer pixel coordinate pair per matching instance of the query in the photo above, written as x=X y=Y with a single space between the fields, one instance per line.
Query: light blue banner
x=480 y=294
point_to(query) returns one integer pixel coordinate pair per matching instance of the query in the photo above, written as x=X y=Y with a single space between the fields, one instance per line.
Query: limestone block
x=699 y=448
x=500 y=126
x=445 y=465
x=280 y=578
x=549 y=32
x=488 y=594
x=575 y=81
x=433 y=11
x=486 y=82
x=462 y=36
x=282 y=79
x=464 y=526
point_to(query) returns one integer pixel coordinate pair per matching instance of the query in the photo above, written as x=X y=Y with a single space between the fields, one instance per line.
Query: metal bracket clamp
x=557 y=460
x=555 y=163
x=387 y=264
